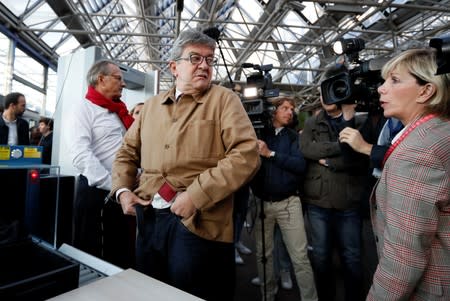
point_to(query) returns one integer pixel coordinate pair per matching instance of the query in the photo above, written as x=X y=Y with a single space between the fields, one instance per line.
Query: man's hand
x=263 y=150
x=323 y=162
x=183 y=205
x=353 y=138
x=128 y=199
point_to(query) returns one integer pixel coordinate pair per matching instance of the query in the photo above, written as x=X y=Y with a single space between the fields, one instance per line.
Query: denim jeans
x=344 y=228
x=168 y=251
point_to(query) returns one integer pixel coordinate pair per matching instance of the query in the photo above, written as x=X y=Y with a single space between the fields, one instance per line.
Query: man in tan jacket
x=196 y=146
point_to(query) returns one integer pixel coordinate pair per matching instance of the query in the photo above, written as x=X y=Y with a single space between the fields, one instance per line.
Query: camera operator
x=373 y=140
x=332 y=190
x=276 y=184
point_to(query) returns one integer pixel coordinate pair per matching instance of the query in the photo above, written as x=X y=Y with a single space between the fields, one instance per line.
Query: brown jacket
x=205 y=145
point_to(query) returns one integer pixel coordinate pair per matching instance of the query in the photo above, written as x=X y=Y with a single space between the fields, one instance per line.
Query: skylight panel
x=42 y=17
x=312 y=11
x=373 y=19
x=191 y=8
x=53 y=38
x=293 y=31
x=251 y=9
x=282 y=35
x=68 y=46
x=18 y=7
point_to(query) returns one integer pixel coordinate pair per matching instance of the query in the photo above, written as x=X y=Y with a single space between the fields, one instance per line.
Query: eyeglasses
x=118 y=77
x=197 y=59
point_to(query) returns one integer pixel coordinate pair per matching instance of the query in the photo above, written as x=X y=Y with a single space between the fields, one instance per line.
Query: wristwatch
x=272 y=155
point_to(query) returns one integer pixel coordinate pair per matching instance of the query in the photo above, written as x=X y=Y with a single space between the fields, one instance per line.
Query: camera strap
x=406 y=132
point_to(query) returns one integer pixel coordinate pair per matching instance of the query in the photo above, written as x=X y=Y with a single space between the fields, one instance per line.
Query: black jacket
x=279 y=177
x=47 y=142
x=23 y=134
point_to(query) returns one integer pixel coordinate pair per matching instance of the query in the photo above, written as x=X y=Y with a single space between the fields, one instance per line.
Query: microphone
x=213 y=33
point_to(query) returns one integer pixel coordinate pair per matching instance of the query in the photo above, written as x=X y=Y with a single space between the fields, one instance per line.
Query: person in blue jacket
x=276 y=186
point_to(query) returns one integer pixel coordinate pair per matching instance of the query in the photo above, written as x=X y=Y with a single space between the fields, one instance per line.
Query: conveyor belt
x=91 y=267
x=88 y=275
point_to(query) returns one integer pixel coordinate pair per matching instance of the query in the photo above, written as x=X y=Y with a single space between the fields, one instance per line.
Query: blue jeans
x=168 y=251
x=343 y=227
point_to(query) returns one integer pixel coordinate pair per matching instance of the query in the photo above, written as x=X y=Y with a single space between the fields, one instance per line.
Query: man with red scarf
x=99 y=123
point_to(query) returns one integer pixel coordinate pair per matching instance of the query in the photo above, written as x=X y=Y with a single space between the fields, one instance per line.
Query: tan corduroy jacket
x=205 y=145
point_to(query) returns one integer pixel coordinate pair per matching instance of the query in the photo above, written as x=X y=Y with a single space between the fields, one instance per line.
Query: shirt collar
x=278 y=130
x=174 y=93
x=7 y=121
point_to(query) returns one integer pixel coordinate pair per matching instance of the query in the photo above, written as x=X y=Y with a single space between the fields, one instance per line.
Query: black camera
x=254 y=97
x=356 y=84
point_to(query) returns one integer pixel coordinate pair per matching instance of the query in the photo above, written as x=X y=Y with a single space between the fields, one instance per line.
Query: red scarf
x=117 y=107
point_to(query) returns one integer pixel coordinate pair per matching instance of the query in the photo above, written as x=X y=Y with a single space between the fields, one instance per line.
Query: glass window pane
x=34 y=98
x=68 y=46
x=18 y=7
x=50 y=100
x=4 y=50
x=28 y=68
x=41 y=17
x=312 y=11
x=52 y=38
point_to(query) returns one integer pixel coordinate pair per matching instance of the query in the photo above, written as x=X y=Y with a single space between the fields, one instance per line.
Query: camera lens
x=340 y=89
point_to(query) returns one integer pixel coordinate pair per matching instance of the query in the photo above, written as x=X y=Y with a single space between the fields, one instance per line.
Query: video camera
x=254 y=97
x=357 y=82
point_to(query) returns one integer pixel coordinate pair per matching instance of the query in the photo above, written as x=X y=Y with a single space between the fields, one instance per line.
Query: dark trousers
x=168 y=251
x=344 y=227
x=101 y=229
x=240 y=211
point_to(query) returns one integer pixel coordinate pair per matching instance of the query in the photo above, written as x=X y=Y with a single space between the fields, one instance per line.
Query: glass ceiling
x=293 y=36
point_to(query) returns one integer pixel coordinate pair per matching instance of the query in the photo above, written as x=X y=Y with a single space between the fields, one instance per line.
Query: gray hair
x=99 y=68
x=190 y=37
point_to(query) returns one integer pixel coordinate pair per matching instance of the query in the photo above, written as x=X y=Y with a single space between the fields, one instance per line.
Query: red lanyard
x=406 y=132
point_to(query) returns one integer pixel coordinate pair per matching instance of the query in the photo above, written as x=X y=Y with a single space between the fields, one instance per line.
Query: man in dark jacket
x=13 y=129
x=332 y=191
x=276 y=184
x=46 y=141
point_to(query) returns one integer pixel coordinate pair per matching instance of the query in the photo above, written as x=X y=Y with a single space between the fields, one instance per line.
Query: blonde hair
x=421 y=64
